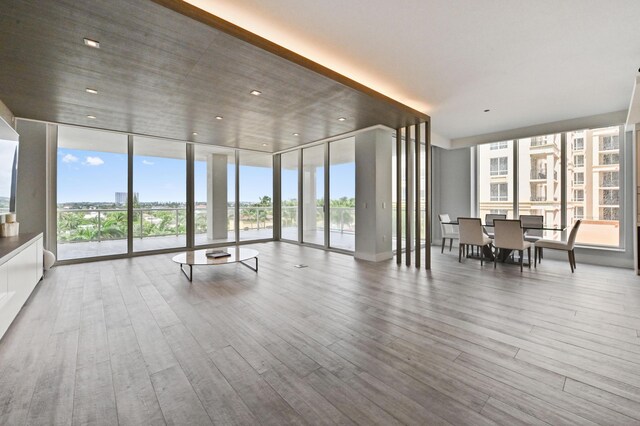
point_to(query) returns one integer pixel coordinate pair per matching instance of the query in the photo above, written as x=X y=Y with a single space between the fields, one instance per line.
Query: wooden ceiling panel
x=161 y=73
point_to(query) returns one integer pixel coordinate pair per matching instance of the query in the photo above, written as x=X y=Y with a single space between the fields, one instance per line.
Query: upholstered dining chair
x=448 y=231
x=488 y=222
x=530 y=222
x=471 y=235
x=567 y=246
x=509 y=236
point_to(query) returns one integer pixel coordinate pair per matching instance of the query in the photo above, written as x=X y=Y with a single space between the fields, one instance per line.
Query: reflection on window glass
x=289 y=195
x=495 y=178
x=91 y=193
x=160 y=200
x=256 y=196
x=313 y=195
x=214 y=186
x=342 y=193
x=595 y=185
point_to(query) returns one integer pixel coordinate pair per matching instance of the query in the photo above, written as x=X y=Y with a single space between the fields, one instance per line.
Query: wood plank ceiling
x=160 y=72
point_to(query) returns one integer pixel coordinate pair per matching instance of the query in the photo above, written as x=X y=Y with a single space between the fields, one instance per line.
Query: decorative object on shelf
x=9 y=227
x=49 y=259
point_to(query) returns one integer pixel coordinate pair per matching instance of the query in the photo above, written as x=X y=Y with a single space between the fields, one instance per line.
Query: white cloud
x=148 y=163
x=93 y=161
x=68 y=158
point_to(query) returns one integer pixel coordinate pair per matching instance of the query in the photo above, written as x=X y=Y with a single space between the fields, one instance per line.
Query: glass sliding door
x=342 y=194
x=256 y=196
x=313 y=195
x=289 y=195
x=91 y=193
x=215 y=194
x=159 y=194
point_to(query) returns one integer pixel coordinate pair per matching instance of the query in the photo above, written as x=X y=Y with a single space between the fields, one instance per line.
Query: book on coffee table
x=213 y=253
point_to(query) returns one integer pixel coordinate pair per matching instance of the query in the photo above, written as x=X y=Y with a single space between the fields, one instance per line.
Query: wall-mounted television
x=8 y=175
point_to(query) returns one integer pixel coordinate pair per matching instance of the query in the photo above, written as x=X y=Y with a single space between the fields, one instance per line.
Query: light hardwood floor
x=340 y=342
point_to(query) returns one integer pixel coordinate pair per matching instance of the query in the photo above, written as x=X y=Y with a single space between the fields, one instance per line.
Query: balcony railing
x=538 y=174
x=539 y=141
x=95 y=225
x=84 y=225
x=537 y=198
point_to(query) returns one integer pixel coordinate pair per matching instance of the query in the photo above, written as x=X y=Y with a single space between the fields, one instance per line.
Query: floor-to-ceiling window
x=342 y=194
x=215 y=194
x=593 y=182
x=91 y=193
x=256 y=196
x=313 y=194
x=540 y=179
x=159 y=194
x=594 y=185
x=289 y=195
x=397 y=198
x=495 y=178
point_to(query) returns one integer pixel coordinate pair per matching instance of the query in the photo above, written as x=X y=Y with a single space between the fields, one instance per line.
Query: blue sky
x=91 y=176
x=341 y=184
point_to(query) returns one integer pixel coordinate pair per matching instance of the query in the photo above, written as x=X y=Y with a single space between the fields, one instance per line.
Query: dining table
x=505 y=254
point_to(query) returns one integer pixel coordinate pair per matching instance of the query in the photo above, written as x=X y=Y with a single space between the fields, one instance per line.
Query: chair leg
x=495 y=258
x=573 y=256
x=540 y=252
x=443 y=240
x=529 y=256
x=481 y=255
x=521 y=252
x=450 y=244
x=535 y=257
x=460 y=248
x=570 y=261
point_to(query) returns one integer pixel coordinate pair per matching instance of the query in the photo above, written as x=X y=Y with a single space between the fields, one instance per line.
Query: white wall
x=453 y=173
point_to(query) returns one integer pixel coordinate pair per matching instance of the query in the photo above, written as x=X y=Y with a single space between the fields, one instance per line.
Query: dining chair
x=530 y=222
x=488 y=222
x=509 y=236
x=567 y=246
x=471 y=235
x=447 y=230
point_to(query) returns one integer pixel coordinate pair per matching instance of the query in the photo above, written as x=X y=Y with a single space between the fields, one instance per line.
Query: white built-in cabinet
x=21 y=261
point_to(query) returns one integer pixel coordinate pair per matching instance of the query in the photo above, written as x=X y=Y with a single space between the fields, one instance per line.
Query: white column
x=216 y=196
x=373 y=195
x=309 y=199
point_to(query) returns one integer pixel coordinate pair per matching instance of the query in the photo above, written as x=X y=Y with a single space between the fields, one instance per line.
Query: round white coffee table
x=199 y=257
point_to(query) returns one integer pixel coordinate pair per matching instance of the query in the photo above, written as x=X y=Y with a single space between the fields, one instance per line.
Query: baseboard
x=374 y=257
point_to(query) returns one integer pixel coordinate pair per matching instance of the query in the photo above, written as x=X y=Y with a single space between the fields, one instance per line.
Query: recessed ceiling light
x=219 y=117
x=92 y=91
x=296 y=134
x=91 y=43
x=256 y=92
x=92 y=117
x=342 y=119
x=487 y=110
x=195 y=133
x=264 y=144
